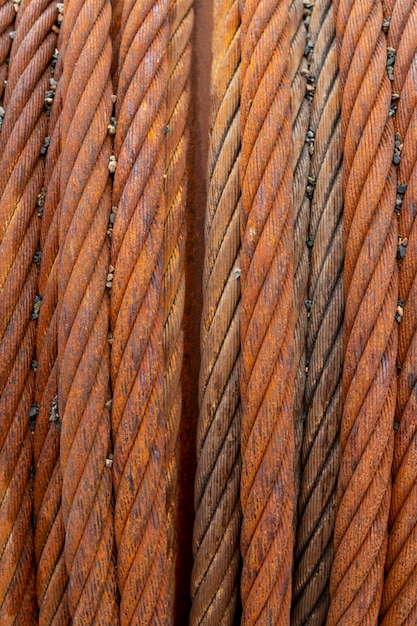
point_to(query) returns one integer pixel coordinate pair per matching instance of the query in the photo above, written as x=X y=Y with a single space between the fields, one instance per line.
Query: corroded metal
x=138 y=420
x=370 y=329
x=24 y=128
x=51 y=573
x=7 y=18
x=320 y=456
x=180 y=20
x=399 y=601
x=214 y=582
x=83 y=321
x=267 y=329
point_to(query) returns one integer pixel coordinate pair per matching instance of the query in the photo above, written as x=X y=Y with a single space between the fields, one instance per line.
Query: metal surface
x=83 y=348
x=138 y=419
x=323 y=402
x=214 y=583
x=399 y=604
x=370 y=329
x=267 y=329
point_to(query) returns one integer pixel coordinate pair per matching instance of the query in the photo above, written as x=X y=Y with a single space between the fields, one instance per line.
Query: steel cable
x=180 y=19
x=138 y=420
x=214 y=583
x=399 y=604
x=83 y=348
x=320 y=457
x=51 y=574
x=370 y=329
x=300 y=111
x=267 y=378
x=7 y=18
x=22 y=140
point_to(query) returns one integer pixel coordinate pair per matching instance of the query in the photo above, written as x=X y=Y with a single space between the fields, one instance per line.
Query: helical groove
x=83 y=320
x=320 y=457
x=214 y=583
x=23 y=133
x=180 y=21
x=266 y=314
x=399 y=604
x=300 y=111
x=137 y=255
x=370 y=328
x=51 y=573
x=7 y=18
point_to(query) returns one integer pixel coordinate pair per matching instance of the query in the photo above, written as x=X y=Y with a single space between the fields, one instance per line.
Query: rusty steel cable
x=7 y=18
x=370 y=328
x=22 y=141
x=51 y=573
x=214 y=582
x=267 y=376
x=320 y=457
x=83 y=320
x=399 y=604
x=300 y=111
x=180 y=20
x=138 y=419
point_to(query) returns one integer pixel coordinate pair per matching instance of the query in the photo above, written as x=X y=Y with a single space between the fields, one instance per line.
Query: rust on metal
x=399 y=600
x=301 y=147
x=320 y=457
x=267 y=329
x=138 y=419
x=214 y=581
x=7 y=18
x=51 y=573
x=180 y=20
x=23 y=132
x=370 y=329
x=83 y=320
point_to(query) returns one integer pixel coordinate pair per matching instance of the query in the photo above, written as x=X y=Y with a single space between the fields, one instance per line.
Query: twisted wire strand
x=180 y=20
x=51 y=573
x=22 y=136
x=7 y=18
x=300 y=111
x=214 y=582
x=399 y=604
x=138 y=419
x=83 y=349
x=320 y=457
x=267 y=378
x=370 y=330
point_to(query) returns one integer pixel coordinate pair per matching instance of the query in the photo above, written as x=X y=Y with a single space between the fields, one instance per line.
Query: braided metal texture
x=214 y=583
x=22 y=136
x=267 y=379
x=370 y=329
x=51 y=573
x=83 y=348
x=138 y=420
x=300 y=111
x=180 y=19
x=7 y=17
x=320 y=450
x=399 y=605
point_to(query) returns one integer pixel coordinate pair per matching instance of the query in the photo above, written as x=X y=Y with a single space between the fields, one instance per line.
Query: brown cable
x=320 y=457
x=83 y=348
x=22 y=138
x=214 y=582
x=138 y=419
x=7 y=18
x=370 y=329
x=180 y=19
x=399 y=604
x=51 y=573
x=267 y=378
x=300 y=111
